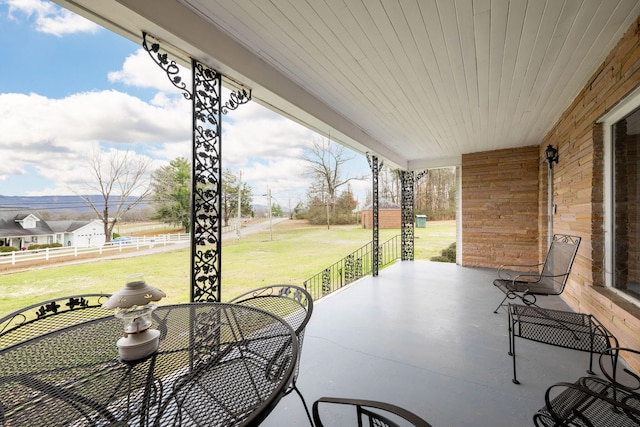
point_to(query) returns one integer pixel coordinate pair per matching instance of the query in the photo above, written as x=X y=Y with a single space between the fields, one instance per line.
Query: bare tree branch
x=325 y=164
x=117 y=177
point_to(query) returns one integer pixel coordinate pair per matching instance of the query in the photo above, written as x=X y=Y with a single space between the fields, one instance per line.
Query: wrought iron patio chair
x=550 y=280
x=595 y=401
x=51 y=315
x=295 y=305
x=369 y=413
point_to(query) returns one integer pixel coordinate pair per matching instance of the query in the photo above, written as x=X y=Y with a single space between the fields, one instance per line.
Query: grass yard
x=297 y=252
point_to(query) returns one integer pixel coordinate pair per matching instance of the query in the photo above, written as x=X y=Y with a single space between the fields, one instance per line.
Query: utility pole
x=239 y=204
x=270 y=223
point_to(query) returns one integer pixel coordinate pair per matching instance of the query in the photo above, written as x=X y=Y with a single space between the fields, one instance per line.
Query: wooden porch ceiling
x=417 y=82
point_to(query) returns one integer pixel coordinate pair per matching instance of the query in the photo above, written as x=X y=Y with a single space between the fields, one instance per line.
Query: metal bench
x=559 y=328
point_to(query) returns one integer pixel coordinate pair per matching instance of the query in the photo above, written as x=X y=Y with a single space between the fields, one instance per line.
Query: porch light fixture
x=552 y=155
x=132 y=305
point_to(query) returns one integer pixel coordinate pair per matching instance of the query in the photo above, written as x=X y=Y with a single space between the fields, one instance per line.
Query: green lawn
x=297 y=252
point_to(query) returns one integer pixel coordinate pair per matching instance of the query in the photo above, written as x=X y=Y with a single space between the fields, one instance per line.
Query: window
x=621 y=132
x=625 y=152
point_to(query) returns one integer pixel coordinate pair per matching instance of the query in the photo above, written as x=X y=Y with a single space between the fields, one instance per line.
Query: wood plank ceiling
x=428 y=80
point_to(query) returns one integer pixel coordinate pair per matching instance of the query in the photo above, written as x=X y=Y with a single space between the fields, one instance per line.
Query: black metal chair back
x=369 y=413
x=292 y=303
x=51 y=315
x=558 y=263
x=549 y=278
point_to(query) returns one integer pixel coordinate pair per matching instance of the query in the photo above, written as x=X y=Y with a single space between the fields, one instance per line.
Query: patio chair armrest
x=358 y=403
x=524 y=278
x=506 y=271
x=612 y=375
x=600 y=329
x=553 y=275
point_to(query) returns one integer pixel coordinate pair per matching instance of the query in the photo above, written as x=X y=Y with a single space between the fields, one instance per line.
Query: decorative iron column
x=375 y=170
x=408 y=181
x=206 y=182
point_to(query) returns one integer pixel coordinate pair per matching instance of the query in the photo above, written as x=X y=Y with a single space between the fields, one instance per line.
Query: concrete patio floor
x=423 y=335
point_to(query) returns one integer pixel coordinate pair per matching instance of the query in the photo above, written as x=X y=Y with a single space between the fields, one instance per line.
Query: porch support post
x=206 y=172
x=206 y=184
x=375 y=170
x=408 y=180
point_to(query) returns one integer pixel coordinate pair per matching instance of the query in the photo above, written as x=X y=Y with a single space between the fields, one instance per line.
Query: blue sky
x=68 y=86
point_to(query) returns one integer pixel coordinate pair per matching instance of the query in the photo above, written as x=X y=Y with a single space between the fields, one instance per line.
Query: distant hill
x=76 y=204
x=51 y=203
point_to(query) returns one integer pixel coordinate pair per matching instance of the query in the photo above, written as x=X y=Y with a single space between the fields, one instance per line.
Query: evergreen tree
x=171 y=186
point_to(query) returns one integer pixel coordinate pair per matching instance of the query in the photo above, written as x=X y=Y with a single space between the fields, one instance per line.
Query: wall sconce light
x=552 y=155
x=132 y=306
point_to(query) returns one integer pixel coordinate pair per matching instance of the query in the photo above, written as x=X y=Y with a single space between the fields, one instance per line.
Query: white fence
x=146 y=242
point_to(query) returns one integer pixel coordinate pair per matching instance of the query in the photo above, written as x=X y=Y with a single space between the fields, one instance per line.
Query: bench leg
x=512 y=345
x=513 y=356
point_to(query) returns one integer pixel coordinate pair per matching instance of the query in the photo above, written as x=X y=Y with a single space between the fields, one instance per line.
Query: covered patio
x=487 y=87
x=423 y=335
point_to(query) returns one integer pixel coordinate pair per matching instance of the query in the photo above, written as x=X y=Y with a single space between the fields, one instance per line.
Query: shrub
x=44 y=246
x=446 y=255
x=8 y=249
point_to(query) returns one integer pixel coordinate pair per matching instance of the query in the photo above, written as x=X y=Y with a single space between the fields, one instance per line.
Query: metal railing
x=352 y=267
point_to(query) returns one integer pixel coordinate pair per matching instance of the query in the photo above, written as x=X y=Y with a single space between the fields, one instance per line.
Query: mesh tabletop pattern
x=217 y=364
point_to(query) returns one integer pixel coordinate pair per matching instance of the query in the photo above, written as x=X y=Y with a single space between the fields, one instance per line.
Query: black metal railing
x=352 y=267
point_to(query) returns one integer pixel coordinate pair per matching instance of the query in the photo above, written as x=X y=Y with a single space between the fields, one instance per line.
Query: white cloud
x=139 y=70
x=267 y=147
x=56 y=136
x=108 y=116
x=52 y=19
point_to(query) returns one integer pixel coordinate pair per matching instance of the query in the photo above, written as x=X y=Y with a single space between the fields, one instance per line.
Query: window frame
x=626 y=106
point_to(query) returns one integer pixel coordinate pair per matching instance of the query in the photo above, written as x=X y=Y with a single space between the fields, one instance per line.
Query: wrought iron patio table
x=217 y=364
x=567 y=329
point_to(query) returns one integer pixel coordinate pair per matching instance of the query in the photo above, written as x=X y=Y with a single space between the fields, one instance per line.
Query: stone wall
x=504 y=196
x=579 y=187
x=500 y=207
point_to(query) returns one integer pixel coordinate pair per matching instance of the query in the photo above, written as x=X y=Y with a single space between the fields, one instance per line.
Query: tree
x=121 y=180
x=389 y=185
x=230 y=185
x=171 y=186
x=276 y=210
x=436 y=194
x=325 y=161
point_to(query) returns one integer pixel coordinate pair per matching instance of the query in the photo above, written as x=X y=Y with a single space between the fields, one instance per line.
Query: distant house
x=22 y=228
x=388 y=215
x=82 y=234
